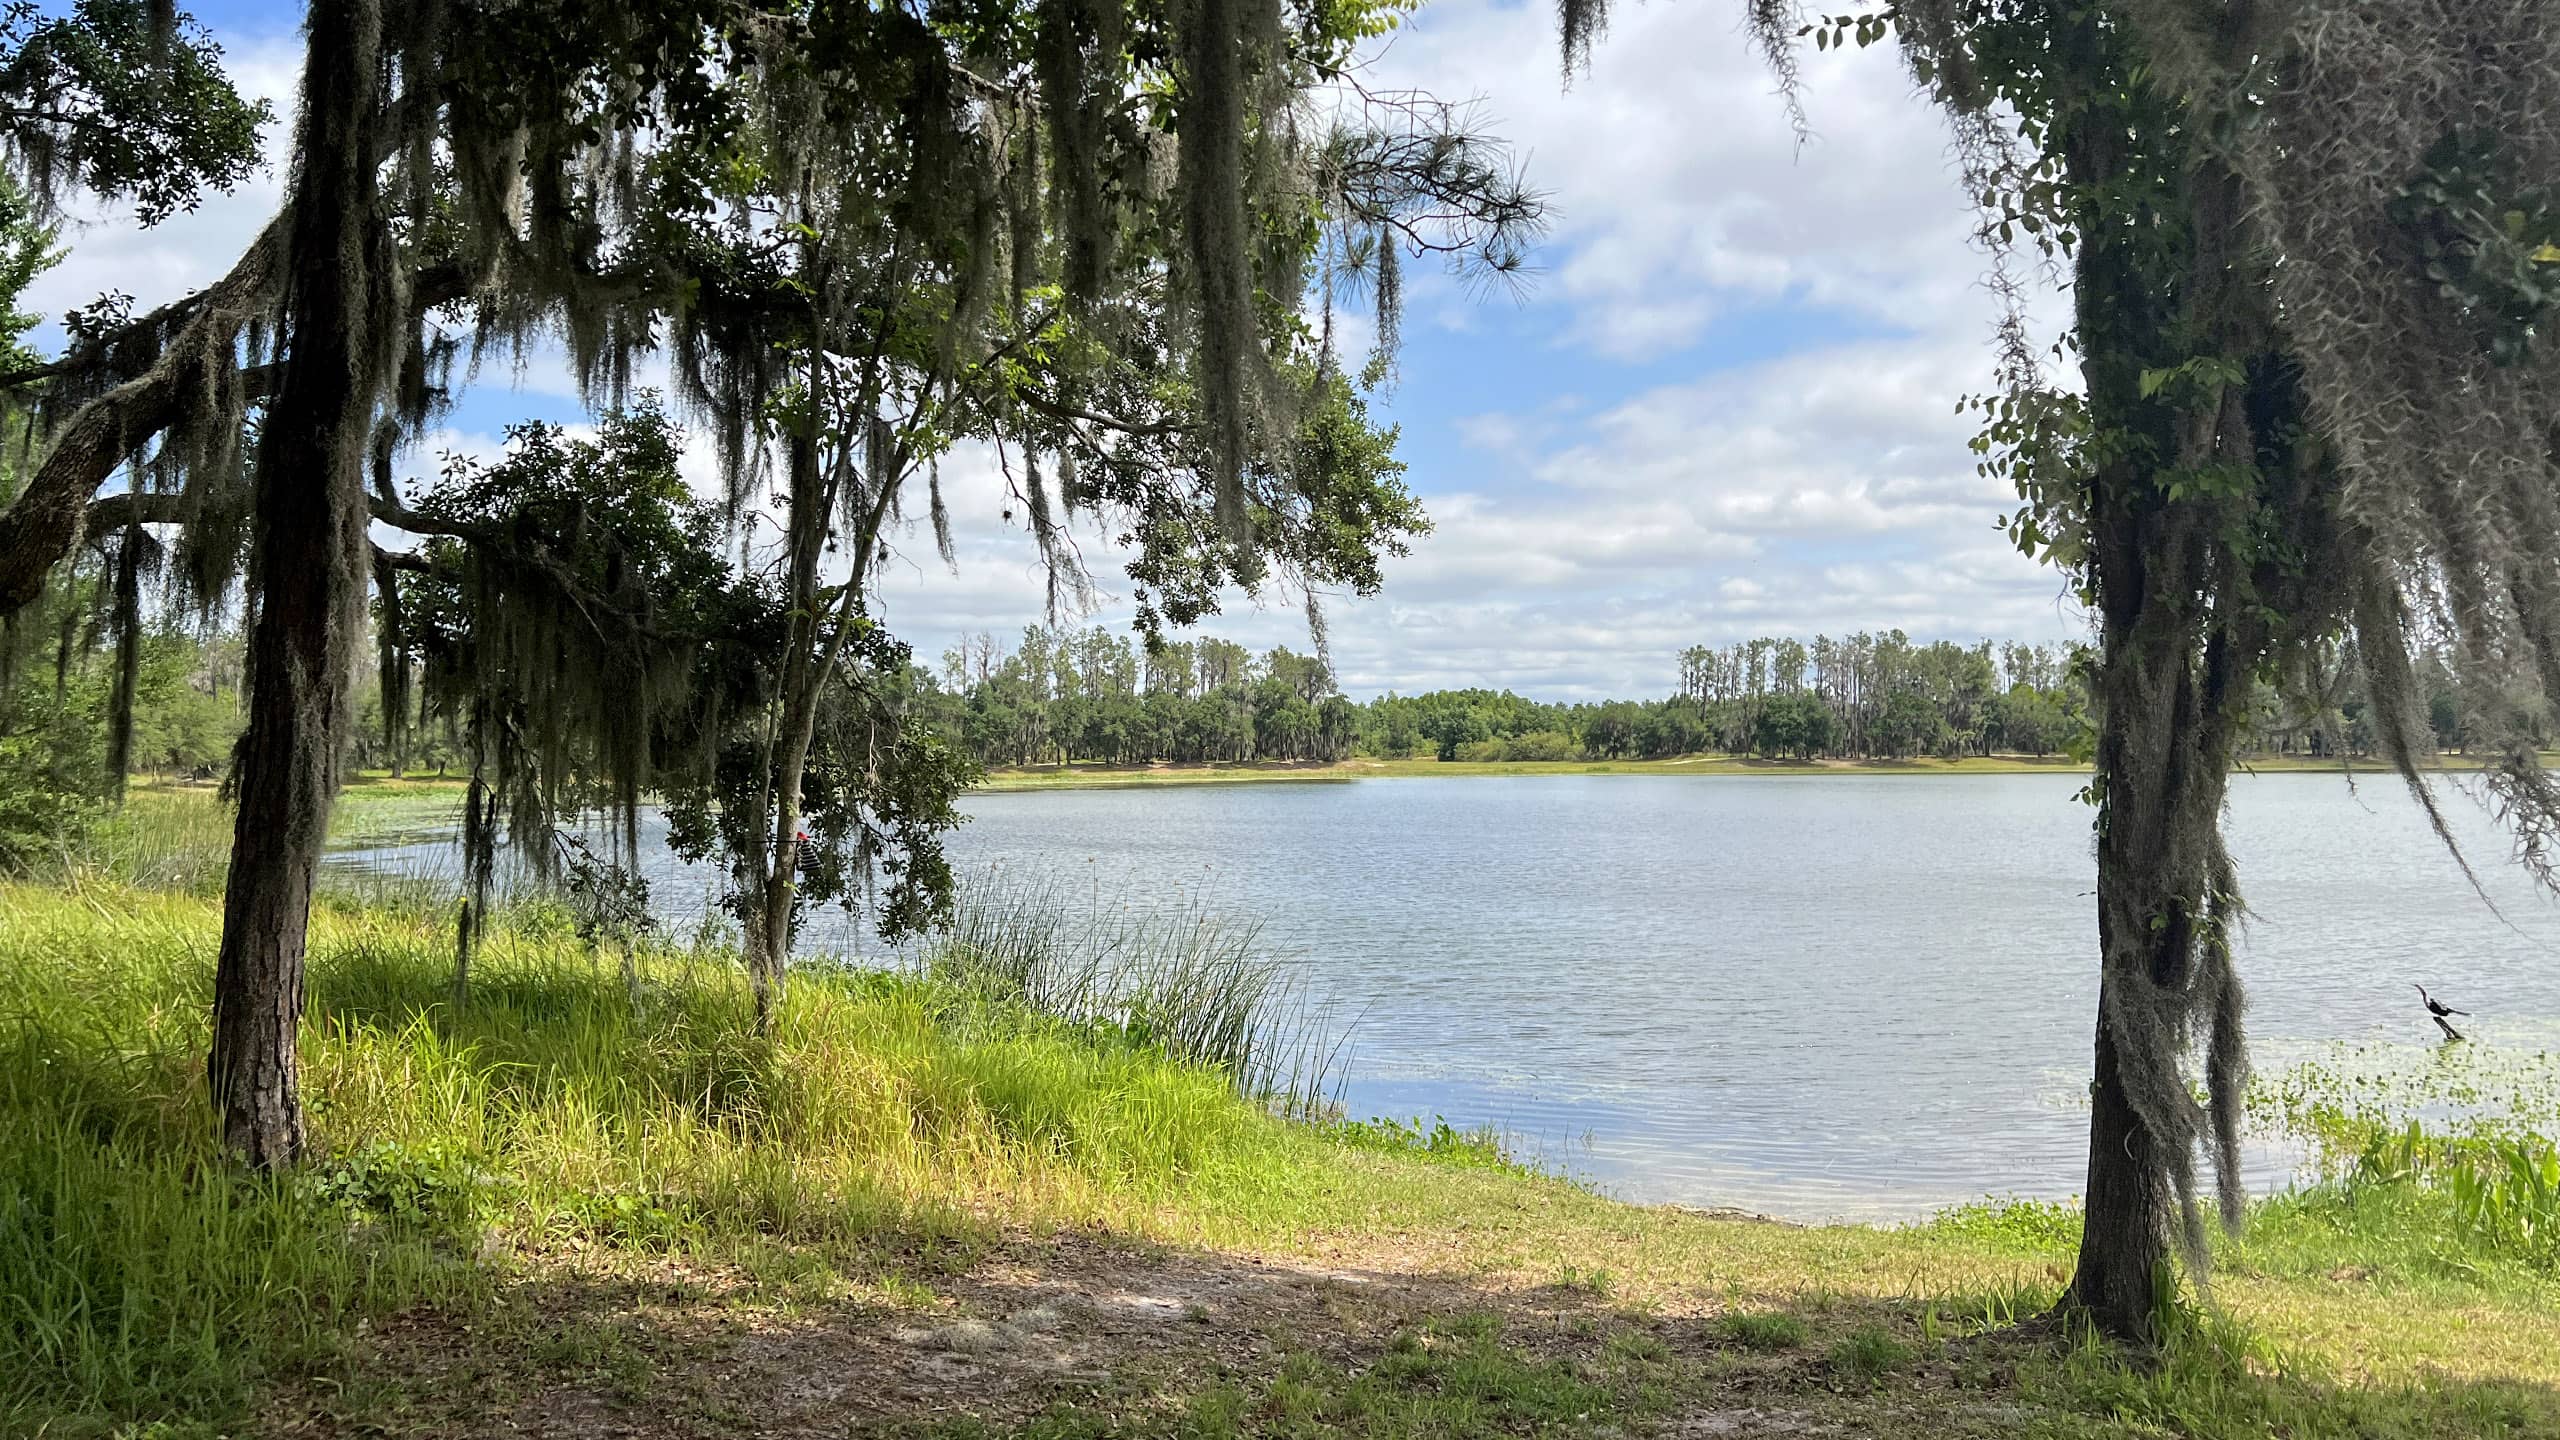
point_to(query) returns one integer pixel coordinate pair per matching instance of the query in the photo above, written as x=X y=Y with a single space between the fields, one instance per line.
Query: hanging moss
x=1083 y=76
x=1216 y=254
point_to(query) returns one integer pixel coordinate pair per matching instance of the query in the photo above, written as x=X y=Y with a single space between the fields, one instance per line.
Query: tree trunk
x=479 y=863
x=128 y=662
x=777 y=863
x=774 y=861
x=2127 y=1212
x=310 y=566
x=394 y=676
x=465 y=931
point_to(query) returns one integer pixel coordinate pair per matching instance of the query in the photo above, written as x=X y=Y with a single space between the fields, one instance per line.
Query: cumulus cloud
x=1682 y=195
x=1584 y=538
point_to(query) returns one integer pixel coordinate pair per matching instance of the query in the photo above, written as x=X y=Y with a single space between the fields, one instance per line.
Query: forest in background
x=1064 y=695
x=1089 y=695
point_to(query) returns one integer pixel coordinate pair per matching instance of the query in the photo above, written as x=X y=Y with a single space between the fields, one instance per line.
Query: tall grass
x=143 y=1279
x=2504 y=1190
x=170 y=837
x=162 y=839
x=1201 y=987
x=1032 y=1068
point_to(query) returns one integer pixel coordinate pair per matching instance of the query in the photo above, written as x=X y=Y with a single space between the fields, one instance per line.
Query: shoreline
x=1087 y=776
x=380 y=789
x=548 y=1202
x=980 y=1202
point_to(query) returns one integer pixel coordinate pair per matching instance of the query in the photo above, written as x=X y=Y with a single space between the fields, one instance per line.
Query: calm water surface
x=1818 y=996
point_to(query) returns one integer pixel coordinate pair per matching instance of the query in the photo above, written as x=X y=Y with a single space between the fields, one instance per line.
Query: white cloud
x=1681 y=192
x=1831 y=491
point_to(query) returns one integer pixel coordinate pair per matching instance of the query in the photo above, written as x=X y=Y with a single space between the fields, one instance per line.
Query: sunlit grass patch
x=141 y=1277
x=2038 y=1226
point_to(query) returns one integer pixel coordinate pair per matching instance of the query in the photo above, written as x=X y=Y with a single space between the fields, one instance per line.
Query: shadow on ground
x=1082 y=1336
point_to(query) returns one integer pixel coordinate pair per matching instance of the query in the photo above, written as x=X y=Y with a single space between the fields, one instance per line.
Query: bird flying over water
x=2437 y=1010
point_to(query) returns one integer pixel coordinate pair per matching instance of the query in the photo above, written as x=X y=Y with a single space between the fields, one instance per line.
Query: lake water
x=1817 y=996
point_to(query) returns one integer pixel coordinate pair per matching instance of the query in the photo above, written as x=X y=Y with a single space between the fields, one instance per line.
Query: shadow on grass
x=1081 y=1336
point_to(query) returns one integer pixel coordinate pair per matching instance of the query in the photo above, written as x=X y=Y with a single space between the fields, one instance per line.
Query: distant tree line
x=1064 y=695
x=1867 y=696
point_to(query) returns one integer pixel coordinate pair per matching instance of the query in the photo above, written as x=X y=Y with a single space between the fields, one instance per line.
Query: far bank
x=1084 y=775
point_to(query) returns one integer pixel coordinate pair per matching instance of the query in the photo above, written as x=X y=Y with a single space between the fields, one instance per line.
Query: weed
x=1761 y=1330
x=1868 y=1354
x=1480 y=1146
x=2041 y=1225
x=1595 y=1283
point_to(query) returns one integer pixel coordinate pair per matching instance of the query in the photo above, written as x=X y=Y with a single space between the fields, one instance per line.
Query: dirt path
x=1118 y=1330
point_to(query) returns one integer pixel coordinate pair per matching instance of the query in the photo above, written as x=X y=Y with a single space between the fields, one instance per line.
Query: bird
x=2437 y=1010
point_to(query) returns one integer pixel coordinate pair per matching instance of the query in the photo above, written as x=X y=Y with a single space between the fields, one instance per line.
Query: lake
x=1817 y=996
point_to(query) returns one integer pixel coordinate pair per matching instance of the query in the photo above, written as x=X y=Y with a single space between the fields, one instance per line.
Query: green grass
x=142 y=1278
x=1867 y=1354
x=572 y=1188
x=1195 y=984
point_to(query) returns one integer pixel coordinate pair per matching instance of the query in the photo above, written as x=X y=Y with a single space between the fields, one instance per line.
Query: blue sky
x=1722 y=407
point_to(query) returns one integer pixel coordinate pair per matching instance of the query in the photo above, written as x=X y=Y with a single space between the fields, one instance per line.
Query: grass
x=570 y=1208
x=1199 y=986
x=1867 y=1354
x=145 y=1279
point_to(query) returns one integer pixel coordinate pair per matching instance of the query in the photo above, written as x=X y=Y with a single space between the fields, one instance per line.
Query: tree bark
x=776 y=860
x=2178 y=652
x=310 y=555
x=2127 y=1212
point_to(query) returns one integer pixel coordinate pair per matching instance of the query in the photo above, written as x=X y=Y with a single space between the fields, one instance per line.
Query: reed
x=1201 y=987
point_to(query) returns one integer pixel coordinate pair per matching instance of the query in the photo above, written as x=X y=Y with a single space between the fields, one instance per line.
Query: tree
x=1907 y=725
x=1612 y=732
x=1795 y=724
x=838 y=221
x=1452 y=726
x=2297 y=282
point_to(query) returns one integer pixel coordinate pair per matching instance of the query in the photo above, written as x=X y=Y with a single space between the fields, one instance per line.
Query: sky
x=1723 y=405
